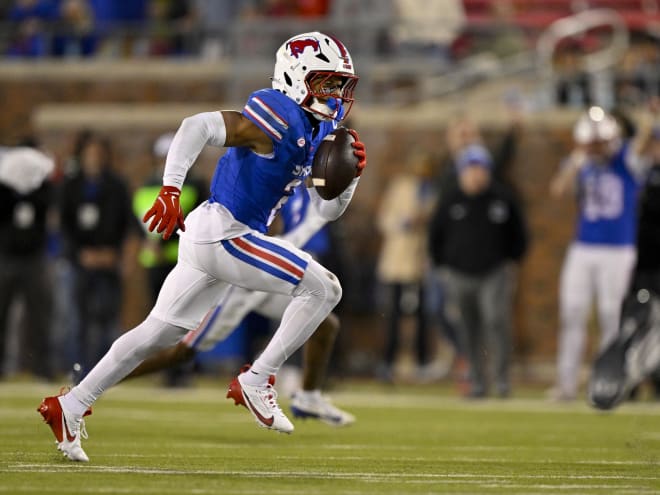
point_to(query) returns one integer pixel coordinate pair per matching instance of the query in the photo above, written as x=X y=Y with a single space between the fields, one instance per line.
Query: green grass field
x=421 y=440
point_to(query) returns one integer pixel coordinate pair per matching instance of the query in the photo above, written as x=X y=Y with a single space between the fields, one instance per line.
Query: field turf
x=407 y=440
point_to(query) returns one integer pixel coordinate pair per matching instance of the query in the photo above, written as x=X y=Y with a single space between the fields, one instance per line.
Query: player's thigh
x=576 y=285
x=253 y=261
x=187 y=295
x=615 y=266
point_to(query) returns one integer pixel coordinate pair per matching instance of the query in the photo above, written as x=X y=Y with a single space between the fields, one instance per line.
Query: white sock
x=71 y=403
x=255 y=378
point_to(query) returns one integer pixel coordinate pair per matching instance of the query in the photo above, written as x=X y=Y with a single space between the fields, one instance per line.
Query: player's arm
x=219 y=129
x=332 y=209
x=637 y=158
x=564 y=181
x=241 y=131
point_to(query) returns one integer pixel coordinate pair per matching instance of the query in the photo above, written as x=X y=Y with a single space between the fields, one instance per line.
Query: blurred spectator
x=28 y=19
x=477 y=236
x=507 y=38
x=637 y=76
x=461 y=133
x=66 y=324
x=25 y=202
x=75 y=30
x=572 y=87
x=427 y=28
x=378 y=15
x=33 y=9
x=503 y=37
x=215 y=19
x=403 y=222
x=118 y=25
x=96 y=219
x=605 y=172
x=169 y=26
x=158 y=256
x=27 y=40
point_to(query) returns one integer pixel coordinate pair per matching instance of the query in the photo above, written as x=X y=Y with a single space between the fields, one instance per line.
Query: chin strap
x=320 y=110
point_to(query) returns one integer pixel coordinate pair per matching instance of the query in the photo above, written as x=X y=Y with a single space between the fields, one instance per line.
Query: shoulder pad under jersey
x=272 y=112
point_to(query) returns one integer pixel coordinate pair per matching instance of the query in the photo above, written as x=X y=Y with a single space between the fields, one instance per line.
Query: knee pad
x=320 y=283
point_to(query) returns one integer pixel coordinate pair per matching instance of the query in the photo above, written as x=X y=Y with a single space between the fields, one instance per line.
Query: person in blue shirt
x=606 y=174
x=223 y=242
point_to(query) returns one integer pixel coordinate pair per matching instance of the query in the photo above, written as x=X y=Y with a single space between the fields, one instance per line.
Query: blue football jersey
x=254 y=187
x=608 y=202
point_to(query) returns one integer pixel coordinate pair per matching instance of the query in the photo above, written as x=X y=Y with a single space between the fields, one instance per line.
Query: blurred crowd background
x=101 y=84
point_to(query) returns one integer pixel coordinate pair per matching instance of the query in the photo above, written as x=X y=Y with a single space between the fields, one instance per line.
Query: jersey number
x=603 y=197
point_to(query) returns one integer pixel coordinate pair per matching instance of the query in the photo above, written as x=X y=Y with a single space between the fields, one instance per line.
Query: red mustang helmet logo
x=296 y=47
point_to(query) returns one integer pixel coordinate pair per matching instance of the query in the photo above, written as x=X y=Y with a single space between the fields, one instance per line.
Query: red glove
x=359 y=151
x=166 y=212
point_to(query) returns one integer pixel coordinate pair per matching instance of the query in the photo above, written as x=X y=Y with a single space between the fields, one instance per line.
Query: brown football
x=334 y=165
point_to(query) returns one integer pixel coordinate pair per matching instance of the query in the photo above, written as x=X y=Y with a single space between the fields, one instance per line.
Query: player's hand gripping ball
x=340 y=158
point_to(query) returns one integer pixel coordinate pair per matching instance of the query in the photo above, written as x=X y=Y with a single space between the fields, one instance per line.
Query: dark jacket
x=475 y=234
x=23 y=220
x=95 y=213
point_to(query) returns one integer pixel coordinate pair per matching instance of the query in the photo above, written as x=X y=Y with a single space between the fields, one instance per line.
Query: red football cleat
x=67 y=429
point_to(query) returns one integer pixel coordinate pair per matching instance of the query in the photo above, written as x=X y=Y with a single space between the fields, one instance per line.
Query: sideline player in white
x=608 y=173
x=270 y=144
x=221 y=321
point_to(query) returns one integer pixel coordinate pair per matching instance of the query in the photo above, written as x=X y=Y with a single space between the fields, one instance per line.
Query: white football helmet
x=596 y=125
x=305 y=62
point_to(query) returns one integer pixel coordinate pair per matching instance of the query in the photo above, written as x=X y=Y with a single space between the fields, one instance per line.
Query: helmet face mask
x=316 y=71
x=327 y=92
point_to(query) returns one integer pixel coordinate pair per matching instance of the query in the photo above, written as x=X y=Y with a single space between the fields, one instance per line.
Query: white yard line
x=358 y=475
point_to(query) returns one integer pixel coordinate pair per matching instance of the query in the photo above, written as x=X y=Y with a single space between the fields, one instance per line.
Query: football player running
x=606 y=172
x=223 y=319
x=270 y=145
